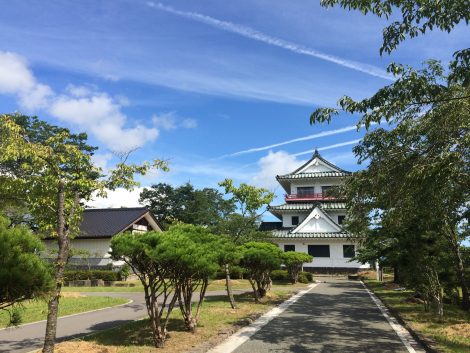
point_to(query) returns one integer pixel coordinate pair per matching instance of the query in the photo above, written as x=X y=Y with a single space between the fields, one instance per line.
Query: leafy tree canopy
x=417 y=16
x=186 y=204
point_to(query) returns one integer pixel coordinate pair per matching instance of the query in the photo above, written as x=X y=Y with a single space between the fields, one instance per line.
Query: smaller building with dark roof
x=97 y=228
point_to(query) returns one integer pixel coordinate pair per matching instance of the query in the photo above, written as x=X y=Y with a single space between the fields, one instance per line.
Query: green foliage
x=186 y=204
x=248 y=198
x=49 y=170
x=417 y=17
x=305 y=277
x=23 y=274
x=124 y=272
x=259 y=260
x=105 y=275
x=293 y=261
x=279 y=275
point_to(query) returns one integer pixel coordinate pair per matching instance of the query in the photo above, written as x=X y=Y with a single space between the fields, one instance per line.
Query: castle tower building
x=311 y=218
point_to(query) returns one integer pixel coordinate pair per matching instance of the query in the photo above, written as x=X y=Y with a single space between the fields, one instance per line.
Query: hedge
x=305 y=277
x=105 y=275
x=279 y=275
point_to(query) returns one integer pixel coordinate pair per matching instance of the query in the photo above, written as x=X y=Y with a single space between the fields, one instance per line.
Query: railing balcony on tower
x=309 y=197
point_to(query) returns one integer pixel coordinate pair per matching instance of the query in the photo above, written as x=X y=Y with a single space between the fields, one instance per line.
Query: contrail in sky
x=251 y=33
x=298 y=139
x=324 y=148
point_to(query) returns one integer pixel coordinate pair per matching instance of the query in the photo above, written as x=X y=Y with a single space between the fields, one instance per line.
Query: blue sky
x=196 y=82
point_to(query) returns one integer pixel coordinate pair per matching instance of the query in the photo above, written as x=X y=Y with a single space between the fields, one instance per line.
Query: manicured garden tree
x=260 y=259
x=49 y=170
x=142 y=253
x=23 y=274
x=192 y=255
x=293 y=261
x=241 y=226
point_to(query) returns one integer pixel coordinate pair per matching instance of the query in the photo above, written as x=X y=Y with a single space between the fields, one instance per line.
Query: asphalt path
x=29 y=337
x=336 y=316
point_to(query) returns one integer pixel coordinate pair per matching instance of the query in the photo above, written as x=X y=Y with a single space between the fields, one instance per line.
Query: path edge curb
x=424 y=342
x=66 y=316
x=244 y=334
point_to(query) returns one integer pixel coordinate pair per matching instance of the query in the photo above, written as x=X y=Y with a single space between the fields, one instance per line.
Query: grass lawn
x=451 y=335
x=36 y=310
x=214 y=285
x=216 y=322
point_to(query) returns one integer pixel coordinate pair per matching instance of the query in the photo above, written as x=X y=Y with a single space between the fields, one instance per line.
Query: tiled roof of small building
x=106 y=222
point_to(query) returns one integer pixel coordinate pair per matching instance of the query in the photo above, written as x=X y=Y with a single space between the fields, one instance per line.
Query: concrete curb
x=70 y=315
x=244 y=334
x=415 y=335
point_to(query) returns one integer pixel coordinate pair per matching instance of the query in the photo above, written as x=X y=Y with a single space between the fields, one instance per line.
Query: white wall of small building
x=336 y=259
x=97 y=248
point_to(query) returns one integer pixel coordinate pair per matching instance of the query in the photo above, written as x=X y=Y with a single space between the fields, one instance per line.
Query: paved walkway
x=30 y=336
x=336 y=316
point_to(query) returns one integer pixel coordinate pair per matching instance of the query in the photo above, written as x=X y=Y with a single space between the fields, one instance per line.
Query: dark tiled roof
x=288 y=234
x=313 y=175
x=308 y=206
x=106 y=222
x=296 y=175
x=268 y=226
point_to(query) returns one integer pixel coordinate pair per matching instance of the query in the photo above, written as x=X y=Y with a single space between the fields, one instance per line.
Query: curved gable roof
x=107 y=222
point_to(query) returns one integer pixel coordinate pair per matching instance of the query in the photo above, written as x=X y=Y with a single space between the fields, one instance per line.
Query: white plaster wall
x=334 y=214
x=287 y=218
x=96 y=247
x=336 y=258
x=316 y=184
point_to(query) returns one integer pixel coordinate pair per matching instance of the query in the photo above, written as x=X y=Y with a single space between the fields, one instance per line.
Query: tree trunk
x=460 y=268
x=228 y=284
x=396 y=274
x=440 y=305
x=255 y=291
x=62 y=258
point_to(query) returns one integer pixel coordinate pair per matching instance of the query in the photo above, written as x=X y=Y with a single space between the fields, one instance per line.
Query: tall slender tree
x=50 y=170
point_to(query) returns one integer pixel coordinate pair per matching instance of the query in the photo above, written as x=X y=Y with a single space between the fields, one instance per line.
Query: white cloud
x=298 y=139
x=17 y=79
x=101 y=160
x=251 y=33
x=329 y=147
x=117 y=198
x=91 y=110
x=275 y=163
x=102 y=115
x=170 y=121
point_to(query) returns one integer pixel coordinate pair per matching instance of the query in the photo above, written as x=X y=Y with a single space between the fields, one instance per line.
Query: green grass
x=216 y=317
x=36 y=310
x=214 y=285
x=450 y=335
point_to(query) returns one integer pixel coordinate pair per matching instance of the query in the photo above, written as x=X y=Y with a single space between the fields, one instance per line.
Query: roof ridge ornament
x=316 y=153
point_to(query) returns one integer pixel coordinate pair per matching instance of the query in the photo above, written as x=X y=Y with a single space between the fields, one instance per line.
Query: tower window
x=341 y=219
x=289 y=247
x=348 y=251
x=295 y=220
x=319 y=250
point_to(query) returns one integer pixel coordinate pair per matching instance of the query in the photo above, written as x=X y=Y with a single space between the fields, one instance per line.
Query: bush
x=279 y=275
x=305 y=277
x=78 y=275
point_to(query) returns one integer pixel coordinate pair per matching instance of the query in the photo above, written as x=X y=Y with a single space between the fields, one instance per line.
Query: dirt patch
x=222 y=282
x=81 y=346
x=457 y=330
x=391 y=285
